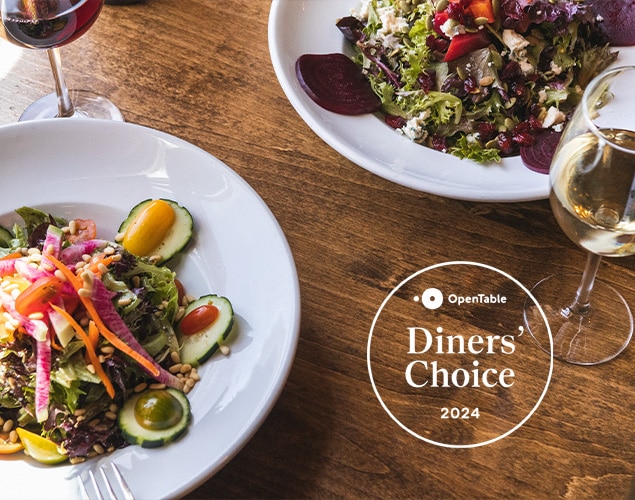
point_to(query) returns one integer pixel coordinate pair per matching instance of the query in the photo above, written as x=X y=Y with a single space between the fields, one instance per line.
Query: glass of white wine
x=592 y=179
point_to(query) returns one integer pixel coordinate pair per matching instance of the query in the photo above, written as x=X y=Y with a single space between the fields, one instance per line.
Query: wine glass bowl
x=48 y=25
x=44 y=24
x=592 y=180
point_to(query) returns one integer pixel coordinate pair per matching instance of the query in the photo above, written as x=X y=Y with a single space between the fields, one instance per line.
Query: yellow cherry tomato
x=149 y=227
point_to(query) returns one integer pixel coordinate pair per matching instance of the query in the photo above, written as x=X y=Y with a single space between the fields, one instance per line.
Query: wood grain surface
x=200 y=70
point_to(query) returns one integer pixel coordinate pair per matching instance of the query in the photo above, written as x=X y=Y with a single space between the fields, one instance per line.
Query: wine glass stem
x=63 y=98
x=582 y=301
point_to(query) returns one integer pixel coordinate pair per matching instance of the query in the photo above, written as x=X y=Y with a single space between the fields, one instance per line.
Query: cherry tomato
x=157 y=410
x=70 y=300
x=85 y=229
x=38 y=295
x=198 y=319
x=149 y=227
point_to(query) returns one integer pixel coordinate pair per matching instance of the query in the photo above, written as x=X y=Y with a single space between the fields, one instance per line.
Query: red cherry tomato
x=70 y=300
x=38 y=295
x=198 y=319
x=84 y=230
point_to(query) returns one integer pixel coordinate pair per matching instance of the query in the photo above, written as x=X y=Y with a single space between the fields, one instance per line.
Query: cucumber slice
x=197 y=348
x=178 y=235
x=162 y=413
x=5 y=237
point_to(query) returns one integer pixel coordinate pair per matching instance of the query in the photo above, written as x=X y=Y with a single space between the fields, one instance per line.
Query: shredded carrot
x=104 y=259
x=55 y=345
x=77 y=283
x=14 y=255
x=93 y=336
x=90 y=350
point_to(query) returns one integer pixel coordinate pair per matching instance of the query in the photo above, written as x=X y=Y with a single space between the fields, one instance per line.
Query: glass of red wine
x=49 y=24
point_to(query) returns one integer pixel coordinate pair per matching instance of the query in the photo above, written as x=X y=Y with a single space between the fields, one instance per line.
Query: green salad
x=479 y=79
x=99 y=343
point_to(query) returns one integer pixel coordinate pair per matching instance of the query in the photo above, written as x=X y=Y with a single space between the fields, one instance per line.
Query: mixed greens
x=87 y=325
x=479 y=79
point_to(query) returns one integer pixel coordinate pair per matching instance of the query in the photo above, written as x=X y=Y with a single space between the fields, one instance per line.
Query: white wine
x=593 y=191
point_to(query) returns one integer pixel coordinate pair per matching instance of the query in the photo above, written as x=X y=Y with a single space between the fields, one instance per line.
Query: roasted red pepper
x=465 y=43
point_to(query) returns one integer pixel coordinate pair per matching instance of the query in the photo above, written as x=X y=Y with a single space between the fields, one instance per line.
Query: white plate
x=299 y=27
x=99 y=170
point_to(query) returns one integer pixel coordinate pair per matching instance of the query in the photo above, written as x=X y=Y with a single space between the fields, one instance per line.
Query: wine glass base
x=86 y=104
x=591 y=338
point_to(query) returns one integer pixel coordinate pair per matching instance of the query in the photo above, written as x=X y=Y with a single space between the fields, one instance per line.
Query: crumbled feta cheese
x=472 y=138
x=525 y=66
x=451 y=28
x=542 y=96
x=392 y=42
x=517 y=44
x=555 y=68
x=363 y=11
x=415 y=129
x=390 y=22
x=553 y=117
x=514 y=41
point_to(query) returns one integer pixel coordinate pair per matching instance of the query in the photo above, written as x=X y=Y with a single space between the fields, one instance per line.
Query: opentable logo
x=448 y=359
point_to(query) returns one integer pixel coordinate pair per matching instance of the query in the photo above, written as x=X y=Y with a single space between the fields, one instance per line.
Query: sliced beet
x=618 y=20
x=336 y=83
x=538 y=156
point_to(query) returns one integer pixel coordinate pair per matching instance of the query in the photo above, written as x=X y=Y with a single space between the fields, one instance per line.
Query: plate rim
x=310 y=113
x=293 y=317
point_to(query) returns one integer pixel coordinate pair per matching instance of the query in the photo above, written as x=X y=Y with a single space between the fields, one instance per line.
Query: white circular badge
x=449 y=359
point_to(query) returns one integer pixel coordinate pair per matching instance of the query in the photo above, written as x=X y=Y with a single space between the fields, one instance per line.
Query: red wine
x=43 y=24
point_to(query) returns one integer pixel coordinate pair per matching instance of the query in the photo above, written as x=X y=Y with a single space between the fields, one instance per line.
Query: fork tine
x=111 y=493
x=127 y=493
x=109 y=487
x=93 y=484
x=82 y=489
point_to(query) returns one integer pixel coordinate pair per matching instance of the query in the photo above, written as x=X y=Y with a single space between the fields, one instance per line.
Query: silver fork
x=113 y=485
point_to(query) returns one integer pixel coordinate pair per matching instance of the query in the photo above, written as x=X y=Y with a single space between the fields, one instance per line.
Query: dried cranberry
x=453 y=85
x=439 y=143
x=522 y=135
x=511 y=70
x=457 y=12
x=505 y=143
x=428 y=80
x=394 y=121
x=517 y=87
x=470 y=84
x=534 y=122
x=487 y=131
x=437 y=44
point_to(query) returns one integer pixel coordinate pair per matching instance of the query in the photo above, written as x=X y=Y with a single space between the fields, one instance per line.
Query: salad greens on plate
x=478 y=79
x=99 y=344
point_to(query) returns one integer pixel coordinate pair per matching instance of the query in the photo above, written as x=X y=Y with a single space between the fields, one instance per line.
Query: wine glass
x=592 y=179
x=49 y=24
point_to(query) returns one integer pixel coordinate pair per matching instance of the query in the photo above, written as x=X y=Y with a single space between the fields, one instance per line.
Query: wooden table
x=200 y=70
